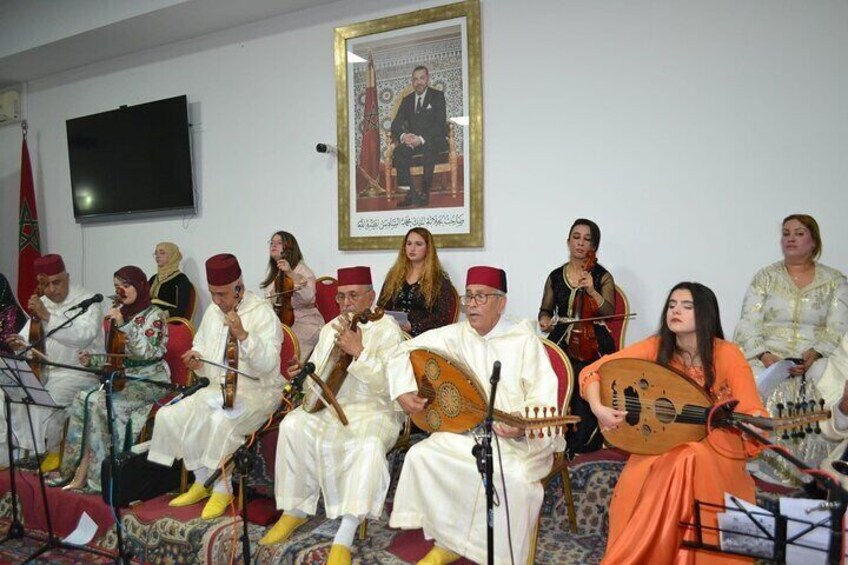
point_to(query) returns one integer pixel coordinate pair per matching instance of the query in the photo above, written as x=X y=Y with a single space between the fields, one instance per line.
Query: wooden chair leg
x=569 y=499
x=363 y=529
x=183 y=478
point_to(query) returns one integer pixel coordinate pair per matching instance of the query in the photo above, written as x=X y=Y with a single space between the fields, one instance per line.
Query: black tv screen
x=133 y=160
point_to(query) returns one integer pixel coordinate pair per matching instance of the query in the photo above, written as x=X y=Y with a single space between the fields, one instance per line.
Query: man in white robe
x=198 y=429
x=316 y=454
x=440 y=487
x=54 y=307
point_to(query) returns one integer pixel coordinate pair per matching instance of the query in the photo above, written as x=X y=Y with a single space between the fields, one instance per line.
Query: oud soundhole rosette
x=434 y=420
x=450 y=400
x=432 y=370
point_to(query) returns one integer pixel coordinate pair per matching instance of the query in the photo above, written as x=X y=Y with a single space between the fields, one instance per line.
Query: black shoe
x=409 y=201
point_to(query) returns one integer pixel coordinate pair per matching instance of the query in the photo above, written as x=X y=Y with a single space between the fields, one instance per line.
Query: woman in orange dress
x=655 y=493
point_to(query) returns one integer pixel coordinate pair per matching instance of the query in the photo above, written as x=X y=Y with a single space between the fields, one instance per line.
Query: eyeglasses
x=479 y=299
x=352 y=296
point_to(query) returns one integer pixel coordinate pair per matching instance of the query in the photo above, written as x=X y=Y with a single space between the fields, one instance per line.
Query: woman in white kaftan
x=796 y=308
x=440 y=489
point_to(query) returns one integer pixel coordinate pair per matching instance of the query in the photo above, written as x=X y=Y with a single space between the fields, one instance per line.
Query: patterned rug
x=156 y=533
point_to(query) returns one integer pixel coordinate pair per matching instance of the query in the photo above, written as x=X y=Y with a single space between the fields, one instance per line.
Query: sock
x=299 y=514
x=201 y=474
x=221 y=486
x=347 y=530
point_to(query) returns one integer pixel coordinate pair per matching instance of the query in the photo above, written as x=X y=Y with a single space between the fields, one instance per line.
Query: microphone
x=297 y=382
x=496 y=373
x=85 y=304
x=202 y=382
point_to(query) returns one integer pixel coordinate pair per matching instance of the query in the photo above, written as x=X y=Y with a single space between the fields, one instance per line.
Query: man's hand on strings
x=411 y=402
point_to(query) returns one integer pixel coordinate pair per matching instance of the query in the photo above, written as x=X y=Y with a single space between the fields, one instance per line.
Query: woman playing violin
x=655 y=493
x=569 y=289
x=146 y=333
x=286 y=260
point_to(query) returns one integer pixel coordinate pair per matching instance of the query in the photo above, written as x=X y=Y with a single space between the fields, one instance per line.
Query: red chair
x=180 y=339
x=192 y=303
x=618 y=327
x=290 y=348
x=565 y=375
x=325 y=297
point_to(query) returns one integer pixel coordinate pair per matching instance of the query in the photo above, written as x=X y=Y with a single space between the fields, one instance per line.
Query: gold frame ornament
x=374 y=218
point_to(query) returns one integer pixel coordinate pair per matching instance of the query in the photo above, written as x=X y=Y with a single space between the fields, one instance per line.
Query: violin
x=335 y=369
x=116 y=346
x=582 y=341
x=283 y=290
x=230 y=385
x=36 y=330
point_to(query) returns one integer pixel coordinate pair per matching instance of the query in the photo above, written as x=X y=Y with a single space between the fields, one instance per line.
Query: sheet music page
x=768 y=380
x=12 y=387
x=738 y=532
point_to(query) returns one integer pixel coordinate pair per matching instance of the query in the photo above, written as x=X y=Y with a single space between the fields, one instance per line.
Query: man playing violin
x=199 y=430
x=440 y=489
x=54 y=305
x=316 y=453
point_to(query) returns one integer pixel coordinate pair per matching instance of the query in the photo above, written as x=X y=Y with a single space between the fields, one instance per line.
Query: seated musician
x=570 y=288
x=655 y=493
x=316 y=454
x=834 y=390
x=12 y=316
x=198 y=429
x=286 y=259
x=53 y=307
x=417 y=284
x=170 y=288
x=796 y=308
x=88 y=441
x=440 y=488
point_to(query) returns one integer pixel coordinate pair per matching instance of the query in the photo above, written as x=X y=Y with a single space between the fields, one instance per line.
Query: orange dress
x=655 y=493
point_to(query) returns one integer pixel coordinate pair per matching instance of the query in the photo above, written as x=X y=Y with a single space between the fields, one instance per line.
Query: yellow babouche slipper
x=439 y=556
x=282 y=529
x=50 y=462
x=194 y=494
x=339 y=555
x=217 y=505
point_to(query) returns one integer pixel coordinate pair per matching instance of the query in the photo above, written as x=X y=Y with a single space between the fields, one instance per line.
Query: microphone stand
x=63 y=325
x=483 y=454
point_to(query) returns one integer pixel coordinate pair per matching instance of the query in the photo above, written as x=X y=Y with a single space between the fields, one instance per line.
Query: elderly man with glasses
x=316 y=453
x=440 y=489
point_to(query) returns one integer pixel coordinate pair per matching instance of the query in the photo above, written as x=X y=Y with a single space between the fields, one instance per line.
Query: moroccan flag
x=29 y=245
x=368 y=172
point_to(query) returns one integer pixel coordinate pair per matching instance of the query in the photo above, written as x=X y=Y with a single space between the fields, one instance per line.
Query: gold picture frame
x=384 y=129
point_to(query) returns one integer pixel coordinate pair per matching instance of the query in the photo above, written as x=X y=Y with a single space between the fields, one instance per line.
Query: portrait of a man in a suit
x=419 y=128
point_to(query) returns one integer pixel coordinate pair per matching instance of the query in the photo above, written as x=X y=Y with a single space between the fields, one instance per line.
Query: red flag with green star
x=29 y=244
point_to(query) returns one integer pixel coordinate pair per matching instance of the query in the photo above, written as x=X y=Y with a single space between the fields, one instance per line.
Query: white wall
x=687 y=130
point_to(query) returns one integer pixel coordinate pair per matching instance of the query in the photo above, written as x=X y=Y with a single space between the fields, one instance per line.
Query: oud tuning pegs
x=780 y=407
x=821 y=404
x=526 y=411
x=532 y=434
x=536 y=412
x=790 y=408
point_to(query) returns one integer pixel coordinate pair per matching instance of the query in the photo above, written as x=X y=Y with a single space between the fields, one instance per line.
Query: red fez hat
x=222 y=269
x=49 y=265
x=354 y=275
x=488 y=276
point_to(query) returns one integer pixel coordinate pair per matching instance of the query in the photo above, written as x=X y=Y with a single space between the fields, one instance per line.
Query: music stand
x=21 y=386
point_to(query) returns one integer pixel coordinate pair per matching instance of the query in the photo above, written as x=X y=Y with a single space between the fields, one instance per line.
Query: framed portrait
x=409 y=109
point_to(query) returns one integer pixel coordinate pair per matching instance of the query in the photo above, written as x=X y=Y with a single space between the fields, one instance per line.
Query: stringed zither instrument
x=36 y=330
x=666 y=408
x=457 y=403
x=334 y=370
x=116 y=346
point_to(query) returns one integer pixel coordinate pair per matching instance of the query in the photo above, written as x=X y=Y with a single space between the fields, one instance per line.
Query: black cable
x=506 y=500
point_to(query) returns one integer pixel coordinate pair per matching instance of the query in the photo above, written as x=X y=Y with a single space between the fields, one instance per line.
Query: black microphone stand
x=124 y=557
x=483 y=454
x=63 y=325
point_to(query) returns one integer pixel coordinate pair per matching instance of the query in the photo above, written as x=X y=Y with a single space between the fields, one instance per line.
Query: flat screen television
x=134 y=161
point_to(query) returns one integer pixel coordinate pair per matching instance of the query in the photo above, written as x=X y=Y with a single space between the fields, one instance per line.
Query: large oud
x=666 y=408
x=457 y=403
